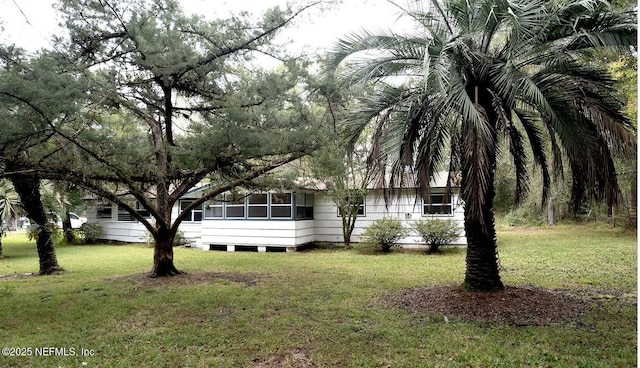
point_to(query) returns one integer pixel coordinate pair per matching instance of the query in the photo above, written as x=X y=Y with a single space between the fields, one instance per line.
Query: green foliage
x=625 y=72
x=88 y=233
x=9 y=201
x=523 y=216
x=437 y=232
x=384 y=234
x=140 y=95
x=489 y=76
x=179 y=239
x=57 y=236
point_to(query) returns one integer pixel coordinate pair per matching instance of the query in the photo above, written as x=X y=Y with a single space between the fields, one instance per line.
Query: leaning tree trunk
x=28 y=188
x=163 y=253
x=67 y=229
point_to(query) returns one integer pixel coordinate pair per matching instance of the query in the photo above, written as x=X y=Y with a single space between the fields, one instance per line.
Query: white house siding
x=120 y=231
x=405 y=208
x=192 y=232
x=258 y=233
x=202 y=234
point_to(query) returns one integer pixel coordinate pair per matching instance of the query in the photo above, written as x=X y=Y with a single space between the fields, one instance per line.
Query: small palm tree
x=475 y=71
x=9 y=201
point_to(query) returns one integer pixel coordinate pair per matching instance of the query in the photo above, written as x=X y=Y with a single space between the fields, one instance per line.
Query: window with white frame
x=193 y=215
x=438 y=204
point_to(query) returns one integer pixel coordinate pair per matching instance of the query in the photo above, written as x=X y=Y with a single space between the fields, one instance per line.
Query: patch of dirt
x=20 y=276
x=193 y=278
x=294 y=358
x=519 y=306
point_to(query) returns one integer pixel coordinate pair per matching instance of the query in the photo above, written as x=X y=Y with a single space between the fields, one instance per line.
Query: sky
x=30 y=23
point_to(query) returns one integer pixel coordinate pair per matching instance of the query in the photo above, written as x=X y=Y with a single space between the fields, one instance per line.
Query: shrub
x=180 y=239
x=90 y=233
x=384 y=233
x=436 y=232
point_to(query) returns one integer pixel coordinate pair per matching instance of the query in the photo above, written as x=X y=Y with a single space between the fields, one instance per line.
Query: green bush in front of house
x=88 y=233
x=383 y=234
x=436 y=232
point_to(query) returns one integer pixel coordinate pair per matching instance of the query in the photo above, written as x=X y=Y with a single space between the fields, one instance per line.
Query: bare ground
x=518 y=306
x=142 y=280
x=294 y=358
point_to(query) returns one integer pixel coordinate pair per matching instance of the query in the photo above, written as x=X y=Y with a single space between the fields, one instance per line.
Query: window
x=234 y=207
x=257 y=207
x=361 y=208
x=192 y=216
x=438 y=204
x=262 y=205
x=142 y=211
x=104 y=211
x=304 y=206
x=280 y=205
x=214 y=208
x=124 y=215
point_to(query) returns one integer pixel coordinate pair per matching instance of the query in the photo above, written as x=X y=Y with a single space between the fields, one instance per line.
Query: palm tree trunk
x=482 y=273
x=28 y=188
x=478 y=192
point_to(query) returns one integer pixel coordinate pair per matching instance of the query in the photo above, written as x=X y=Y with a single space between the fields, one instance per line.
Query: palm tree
x=9 y=201
x=478 y=75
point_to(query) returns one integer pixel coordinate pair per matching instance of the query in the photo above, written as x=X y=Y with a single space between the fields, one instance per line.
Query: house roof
x=439 y=180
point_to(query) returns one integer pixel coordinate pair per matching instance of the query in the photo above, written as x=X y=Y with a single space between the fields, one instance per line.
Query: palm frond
x=530 y=122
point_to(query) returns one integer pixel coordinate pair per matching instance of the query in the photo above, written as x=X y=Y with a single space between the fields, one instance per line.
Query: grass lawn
x=321 y=308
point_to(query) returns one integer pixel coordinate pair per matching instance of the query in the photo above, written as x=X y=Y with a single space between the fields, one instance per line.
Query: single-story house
x=269 y=221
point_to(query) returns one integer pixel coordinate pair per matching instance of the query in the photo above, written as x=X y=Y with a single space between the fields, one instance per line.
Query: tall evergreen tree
x=168 y=101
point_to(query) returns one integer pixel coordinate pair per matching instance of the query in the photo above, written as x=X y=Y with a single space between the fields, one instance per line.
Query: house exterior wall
x=326 y=225
x=275 y=233
x=120 y=231
x=205 y=232
x=406 y=208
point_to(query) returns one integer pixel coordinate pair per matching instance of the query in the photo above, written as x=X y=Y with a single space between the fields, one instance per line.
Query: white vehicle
x=76 y=221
